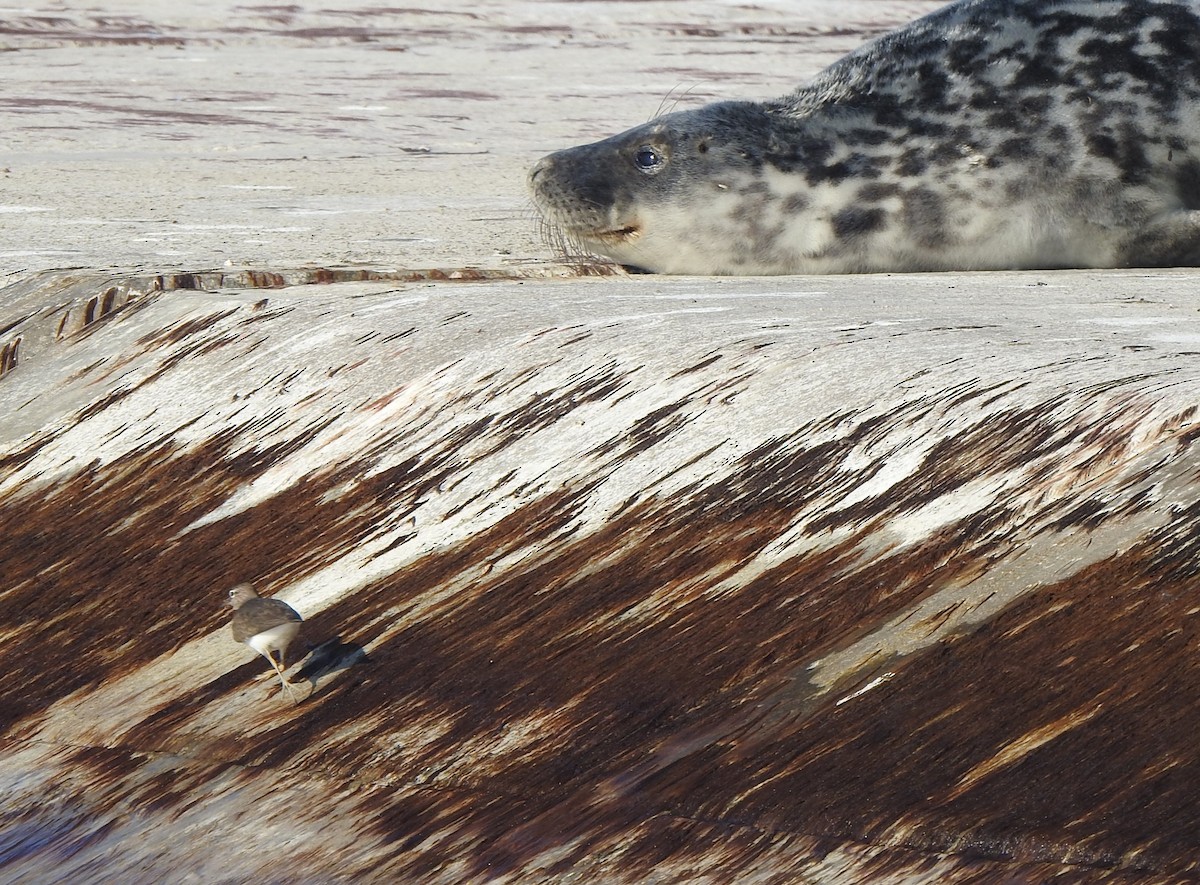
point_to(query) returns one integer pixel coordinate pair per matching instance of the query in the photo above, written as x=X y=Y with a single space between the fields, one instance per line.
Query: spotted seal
x=989 y=134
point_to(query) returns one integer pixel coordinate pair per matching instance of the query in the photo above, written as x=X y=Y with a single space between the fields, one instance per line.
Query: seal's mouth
x=616 y=236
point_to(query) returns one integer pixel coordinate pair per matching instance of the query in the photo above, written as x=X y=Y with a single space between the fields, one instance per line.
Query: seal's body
x=990 y=134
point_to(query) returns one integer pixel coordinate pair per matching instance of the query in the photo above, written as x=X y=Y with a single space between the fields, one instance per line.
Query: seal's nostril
x=538 y=168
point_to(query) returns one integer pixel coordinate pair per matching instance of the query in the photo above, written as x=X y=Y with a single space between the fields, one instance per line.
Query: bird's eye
x=647 y=158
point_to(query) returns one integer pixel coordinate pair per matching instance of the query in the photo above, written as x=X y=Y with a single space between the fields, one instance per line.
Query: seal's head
x=642 y=197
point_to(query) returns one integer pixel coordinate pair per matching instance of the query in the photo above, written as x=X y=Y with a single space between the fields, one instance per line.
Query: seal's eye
x=648 y=159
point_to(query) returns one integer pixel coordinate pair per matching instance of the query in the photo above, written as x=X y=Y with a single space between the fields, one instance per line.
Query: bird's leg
x=287 y=686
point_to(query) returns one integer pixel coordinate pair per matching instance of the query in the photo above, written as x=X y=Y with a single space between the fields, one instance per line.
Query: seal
x=990 y=134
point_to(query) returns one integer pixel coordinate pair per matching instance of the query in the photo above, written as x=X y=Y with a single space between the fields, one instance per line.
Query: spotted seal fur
x=989 y=134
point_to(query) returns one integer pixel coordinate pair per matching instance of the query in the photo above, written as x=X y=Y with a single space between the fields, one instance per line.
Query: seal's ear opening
x=738 y=129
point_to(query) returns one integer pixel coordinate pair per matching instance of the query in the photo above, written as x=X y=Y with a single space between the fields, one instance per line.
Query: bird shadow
x=327 y=658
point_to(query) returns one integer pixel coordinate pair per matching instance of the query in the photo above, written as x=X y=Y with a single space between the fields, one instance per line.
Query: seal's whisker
x=662 y=104
x=686 y=94
x=531 y=213
x=570 y=250
x=671 y=100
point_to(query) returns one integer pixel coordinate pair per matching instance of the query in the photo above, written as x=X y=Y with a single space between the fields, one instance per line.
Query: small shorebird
x=266 y=625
